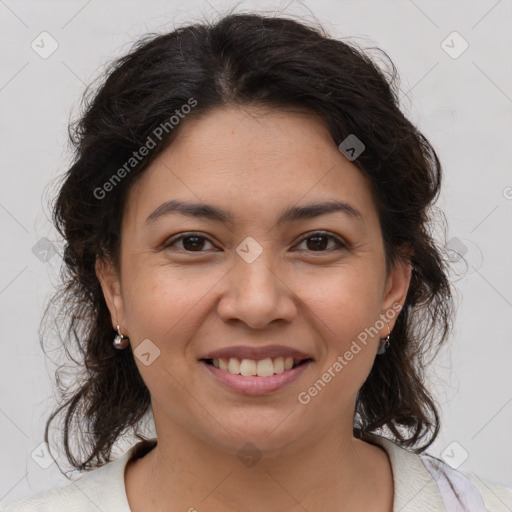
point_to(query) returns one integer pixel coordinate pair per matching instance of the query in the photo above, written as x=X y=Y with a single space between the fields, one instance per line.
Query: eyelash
x=340 y=244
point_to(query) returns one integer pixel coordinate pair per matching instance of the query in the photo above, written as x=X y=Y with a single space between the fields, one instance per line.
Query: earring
x=384 y=342
x=120 y=341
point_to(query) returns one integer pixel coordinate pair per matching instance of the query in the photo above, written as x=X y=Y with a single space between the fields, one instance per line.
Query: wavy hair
x=240 y=60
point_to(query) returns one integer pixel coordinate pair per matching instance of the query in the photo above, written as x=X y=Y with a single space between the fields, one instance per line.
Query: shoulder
x=53 y=499
x=496 y=496
x=100 y=489
x=424 y=482
x=80 y=495
x=460 y=487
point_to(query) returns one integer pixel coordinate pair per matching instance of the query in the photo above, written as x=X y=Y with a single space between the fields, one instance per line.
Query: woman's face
x=251 y=280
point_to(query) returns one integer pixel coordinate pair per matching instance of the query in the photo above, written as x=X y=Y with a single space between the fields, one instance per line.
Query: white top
x=415 y=488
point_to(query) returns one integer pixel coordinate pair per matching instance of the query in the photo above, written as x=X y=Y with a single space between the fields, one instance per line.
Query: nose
x=256 y=294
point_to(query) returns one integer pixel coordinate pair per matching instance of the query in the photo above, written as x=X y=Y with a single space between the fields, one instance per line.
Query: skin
x=254 y=163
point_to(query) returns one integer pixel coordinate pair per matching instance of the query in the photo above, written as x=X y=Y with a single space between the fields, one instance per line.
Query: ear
x=395 y=291
x=111 y=286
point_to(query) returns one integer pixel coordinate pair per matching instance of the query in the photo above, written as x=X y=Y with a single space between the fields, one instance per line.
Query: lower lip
x=254 y=385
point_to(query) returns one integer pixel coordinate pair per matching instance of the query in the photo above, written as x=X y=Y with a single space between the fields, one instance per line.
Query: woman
x=247 y=218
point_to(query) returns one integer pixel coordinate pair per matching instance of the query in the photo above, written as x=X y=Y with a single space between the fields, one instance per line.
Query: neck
x=334 y=468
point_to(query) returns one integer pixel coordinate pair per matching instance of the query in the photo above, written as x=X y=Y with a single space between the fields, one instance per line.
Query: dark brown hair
x=240 y=60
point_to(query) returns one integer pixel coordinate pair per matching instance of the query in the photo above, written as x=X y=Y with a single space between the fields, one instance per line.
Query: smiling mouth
x=256 y=368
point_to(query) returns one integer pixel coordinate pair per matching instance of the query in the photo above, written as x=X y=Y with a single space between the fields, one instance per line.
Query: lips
x=251 y=385
x=257 y=353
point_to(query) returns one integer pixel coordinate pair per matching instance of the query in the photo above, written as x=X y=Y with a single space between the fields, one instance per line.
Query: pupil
x=193 y=245
x=322 y=245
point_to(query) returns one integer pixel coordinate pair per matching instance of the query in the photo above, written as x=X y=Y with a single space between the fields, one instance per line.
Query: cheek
x=166 y=306
x=345 y=306
x=163 y=304
x=345 y=310
x=347 y=301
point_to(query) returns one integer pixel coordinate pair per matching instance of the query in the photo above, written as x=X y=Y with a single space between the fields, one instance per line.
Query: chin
x=268 y=432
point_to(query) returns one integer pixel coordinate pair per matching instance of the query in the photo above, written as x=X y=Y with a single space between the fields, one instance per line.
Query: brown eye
x=191 y=242
x=319 y=241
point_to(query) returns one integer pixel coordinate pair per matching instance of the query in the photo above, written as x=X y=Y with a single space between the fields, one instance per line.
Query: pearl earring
x=120 y=341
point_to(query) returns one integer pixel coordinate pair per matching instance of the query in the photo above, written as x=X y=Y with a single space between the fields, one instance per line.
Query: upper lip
x=257 y=353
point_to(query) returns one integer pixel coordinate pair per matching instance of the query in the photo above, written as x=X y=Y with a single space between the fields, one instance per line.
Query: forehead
x=251 y=162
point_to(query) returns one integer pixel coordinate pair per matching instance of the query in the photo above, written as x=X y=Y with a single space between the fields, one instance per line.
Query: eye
x=195 y=242
x=320 y=241
x=192 y=242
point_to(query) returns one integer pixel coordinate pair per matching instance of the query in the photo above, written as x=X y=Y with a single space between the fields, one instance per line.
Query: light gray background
x=462 y=104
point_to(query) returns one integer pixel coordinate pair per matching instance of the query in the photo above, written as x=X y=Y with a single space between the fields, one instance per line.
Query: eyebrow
x=291 y=214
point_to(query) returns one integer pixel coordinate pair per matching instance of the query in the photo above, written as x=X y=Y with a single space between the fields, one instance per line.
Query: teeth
x=279 y=365
x=264 y=368
x=249 y=367
x=234 y=365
